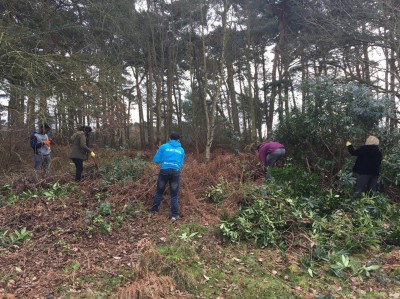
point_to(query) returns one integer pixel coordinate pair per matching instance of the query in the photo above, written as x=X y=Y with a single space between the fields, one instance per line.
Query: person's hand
x=348 y=143
x=92 y=154
x=46 y=142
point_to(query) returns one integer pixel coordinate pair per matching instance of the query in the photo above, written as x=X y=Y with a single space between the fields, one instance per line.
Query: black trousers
x=79 y=168
x=368 y=182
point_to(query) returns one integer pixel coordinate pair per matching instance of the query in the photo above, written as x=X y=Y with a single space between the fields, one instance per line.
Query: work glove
x=348 y=143
x=46 y=142
x=92 y=154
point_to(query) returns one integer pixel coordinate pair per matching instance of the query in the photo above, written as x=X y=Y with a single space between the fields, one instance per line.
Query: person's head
x=44 y=128
x=86 y=129
x=372 y=140
x=174 y=136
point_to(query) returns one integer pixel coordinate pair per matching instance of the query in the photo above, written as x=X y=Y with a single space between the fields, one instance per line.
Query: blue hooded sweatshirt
x=170 y=155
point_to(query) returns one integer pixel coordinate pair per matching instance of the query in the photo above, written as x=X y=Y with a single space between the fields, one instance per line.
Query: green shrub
x=263 y=221
x=331 y=221
x=121 y=168
x=295 y=180
x=391 y=168
x=218 y=193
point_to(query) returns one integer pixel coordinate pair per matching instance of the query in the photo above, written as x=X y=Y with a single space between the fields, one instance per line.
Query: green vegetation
x=217 y=193
x=10 y=238
x=293 y=236
x=333 y=227
x=123 y=168
x=51 y=193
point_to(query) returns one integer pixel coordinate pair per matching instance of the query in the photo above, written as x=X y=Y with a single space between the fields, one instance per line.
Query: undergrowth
x=123 y=168
x=287 y=235
x=290 y=211
x=52 y=192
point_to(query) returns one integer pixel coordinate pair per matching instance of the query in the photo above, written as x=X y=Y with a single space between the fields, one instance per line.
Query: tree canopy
x=233 y=67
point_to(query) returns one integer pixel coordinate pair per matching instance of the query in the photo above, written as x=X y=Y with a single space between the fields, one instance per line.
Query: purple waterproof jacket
x=267 y=148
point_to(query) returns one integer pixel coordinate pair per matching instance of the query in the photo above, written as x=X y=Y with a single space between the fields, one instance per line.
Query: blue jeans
x=172 y=177
x=274 y=156
x=42 y=164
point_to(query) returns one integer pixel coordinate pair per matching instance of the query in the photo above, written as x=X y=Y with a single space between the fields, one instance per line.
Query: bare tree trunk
x=271 y=106
x=178 y=104
x=257 y=110
x=158 y=109
x=366 y=62
x=210 y=115
x=31 y=113
x=140 y=107
x=150 y=111
x=252 y=108
x=15 y=109
x=265 y=87
x=170 y=81
x=232 y=96
x=128 y=118
x=304 y=75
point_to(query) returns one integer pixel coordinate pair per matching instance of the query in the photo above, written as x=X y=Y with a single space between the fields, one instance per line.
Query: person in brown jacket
x=80 y=149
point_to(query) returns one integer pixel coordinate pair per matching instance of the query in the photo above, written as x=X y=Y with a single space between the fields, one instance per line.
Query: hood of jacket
x=77 y=134
x=174 y=143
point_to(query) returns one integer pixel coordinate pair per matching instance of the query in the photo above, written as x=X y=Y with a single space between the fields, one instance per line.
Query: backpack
x=33 y=141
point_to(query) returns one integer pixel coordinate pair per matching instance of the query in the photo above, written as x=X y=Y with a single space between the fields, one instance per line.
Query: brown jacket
x=79 y=149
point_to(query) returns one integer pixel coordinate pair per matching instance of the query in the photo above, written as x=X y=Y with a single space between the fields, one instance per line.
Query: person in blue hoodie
x=170 y=156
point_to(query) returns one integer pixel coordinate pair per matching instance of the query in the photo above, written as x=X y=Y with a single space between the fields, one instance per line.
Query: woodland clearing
x=98 y=240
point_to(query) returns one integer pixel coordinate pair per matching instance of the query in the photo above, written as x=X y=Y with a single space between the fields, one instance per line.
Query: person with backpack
x=170 y=156
x=80 y=150
x=367 y=166
x=40 y=144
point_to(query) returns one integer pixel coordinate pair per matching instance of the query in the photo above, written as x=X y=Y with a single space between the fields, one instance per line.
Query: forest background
x=219 y=72
x=225 y=74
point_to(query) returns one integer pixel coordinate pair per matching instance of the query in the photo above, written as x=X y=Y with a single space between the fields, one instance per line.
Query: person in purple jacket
x=270 y=152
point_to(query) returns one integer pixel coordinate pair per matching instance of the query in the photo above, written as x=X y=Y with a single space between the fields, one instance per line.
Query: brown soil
x=44 y=265
x=62 y=250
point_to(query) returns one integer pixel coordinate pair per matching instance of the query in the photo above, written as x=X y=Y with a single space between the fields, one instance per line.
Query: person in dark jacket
x=80 y=149
x=40 y=143
x=170 y=156
x=367 y=165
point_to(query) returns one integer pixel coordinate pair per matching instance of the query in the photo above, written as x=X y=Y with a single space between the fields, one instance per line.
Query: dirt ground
x=62 y=251
x=44 y=265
